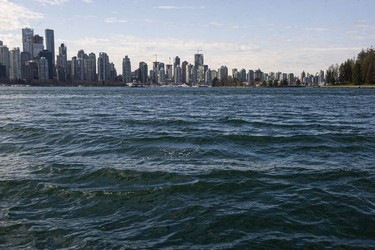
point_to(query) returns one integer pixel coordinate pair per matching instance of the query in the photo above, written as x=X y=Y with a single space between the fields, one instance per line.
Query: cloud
x=52 y=2
x=15 y=17
x=173 y=7
x=114 y=20
x=58 y=2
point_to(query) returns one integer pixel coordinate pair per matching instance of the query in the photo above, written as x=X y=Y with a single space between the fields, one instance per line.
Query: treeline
x=356 y=71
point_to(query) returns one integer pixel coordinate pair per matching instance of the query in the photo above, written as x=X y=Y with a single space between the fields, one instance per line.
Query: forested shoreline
x=360 y=70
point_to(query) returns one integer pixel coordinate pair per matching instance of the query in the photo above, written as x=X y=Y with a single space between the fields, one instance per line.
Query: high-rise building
x=50 y=43
x=1 y=43
x=15 y=64
x=176 y=62
x=207 y=76
x=251 y=76
x=5 y=59
x=198 y=60
x=178 y=75
x=184 y=71
x=169 y=72
x=31 y=70
x=62 y=63
x=223 y=73
x=187 y=79
x=28 y=41
x=43 y=70
x=126 y=70
x=48 y=55
x=243 y=75
x=142 y=72
x=104 y=69
x=91 y=67
x=38 y=45
x=213 y=74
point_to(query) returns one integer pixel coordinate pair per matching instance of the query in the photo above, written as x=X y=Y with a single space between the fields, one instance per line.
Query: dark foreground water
x=120 y=168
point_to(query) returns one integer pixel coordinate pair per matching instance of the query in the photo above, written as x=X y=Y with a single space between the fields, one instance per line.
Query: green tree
x=357 y=73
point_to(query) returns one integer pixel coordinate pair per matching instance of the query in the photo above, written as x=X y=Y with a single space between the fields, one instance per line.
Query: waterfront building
x=104 y=69
x=142 y=72
x=27 y=41
x=37 y=45
x=223 y=73
x=200 y=73
x=176 y=62
x=25 y=57
x=43 y=68
x=243 y=75
x=15 y=64
x=169 y=72
x=74 y=68
x=187 y=79
x=198 y=60
x=48 y=55
x=90 y=67
x=251 y=76
x=291 y=79
x=69 y=70
x=213 y=74
x=112 y=72
x=178 y=75
x=184 y=71
x=31 y=70
x=126 y=70
x=5 y=59
x=207 y=76
x=258 y=74
x=50 y=43
x=194 y=75
x=62 y=63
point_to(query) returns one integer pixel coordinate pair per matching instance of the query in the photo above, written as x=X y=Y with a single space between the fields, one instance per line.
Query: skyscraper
x=48 y=55
x=142 y=72
x=104 y=69
x=37 y=45
x=176 y=62
x=15 y=64
x=43 y=69
x=178 y=75
x=91 y=67
x=5 y=59
x=27 y=41
x=50 y=43
x=184 y=71
x=198 y=60
x=62 y=64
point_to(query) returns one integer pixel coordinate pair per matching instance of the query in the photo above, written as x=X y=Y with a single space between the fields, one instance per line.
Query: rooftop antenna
x=156 y=57
x=169 y=60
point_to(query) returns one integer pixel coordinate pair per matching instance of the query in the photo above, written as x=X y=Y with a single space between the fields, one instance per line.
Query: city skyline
x=287 y=36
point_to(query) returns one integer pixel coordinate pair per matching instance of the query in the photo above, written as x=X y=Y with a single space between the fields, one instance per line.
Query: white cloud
x=173 y=7
x=52 y=2
x=14 y=16
x=58 y=2
x=114 y=20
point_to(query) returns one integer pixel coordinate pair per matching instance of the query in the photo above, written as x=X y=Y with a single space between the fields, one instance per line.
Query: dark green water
x=155 y=168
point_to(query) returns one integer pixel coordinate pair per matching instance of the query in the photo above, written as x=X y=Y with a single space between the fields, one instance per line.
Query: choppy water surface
x=122 y=168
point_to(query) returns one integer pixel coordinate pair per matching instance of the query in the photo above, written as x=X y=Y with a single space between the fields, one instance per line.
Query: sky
x=290 y=36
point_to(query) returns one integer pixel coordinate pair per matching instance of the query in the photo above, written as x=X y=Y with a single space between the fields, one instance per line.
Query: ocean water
x=187 y=168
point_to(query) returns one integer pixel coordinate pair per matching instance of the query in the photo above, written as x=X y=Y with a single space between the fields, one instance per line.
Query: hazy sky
x=273 y=35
